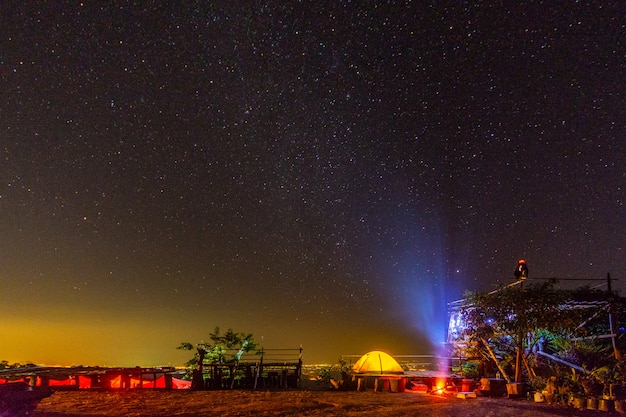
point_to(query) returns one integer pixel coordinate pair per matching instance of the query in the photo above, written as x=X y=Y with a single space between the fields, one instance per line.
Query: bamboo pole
x=518 y=359
x=531 y=371
x=495 y=359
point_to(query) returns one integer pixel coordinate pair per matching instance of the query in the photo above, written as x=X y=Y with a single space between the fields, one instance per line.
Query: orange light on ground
x=439 y=386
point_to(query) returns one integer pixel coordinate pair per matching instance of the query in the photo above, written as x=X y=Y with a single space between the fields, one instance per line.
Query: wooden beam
x=564 y=362
x=495 y=359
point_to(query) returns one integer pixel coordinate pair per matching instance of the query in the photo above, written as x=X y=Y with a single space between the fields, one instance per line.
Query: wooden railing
x=267 y=369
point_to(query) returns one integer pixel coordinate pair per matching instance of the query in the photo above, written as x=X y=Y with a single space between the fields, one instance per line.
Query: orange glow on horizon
x=120 y=343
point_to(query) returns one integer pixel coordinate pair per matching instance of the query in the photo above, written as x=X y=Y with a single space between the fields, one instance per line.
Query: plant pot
x=516 y=390
x=539 y=398
x=466 y=385
x=492 y=387
x=606 y=405
x=620 y=406
x=592 y=403
x=579 y=403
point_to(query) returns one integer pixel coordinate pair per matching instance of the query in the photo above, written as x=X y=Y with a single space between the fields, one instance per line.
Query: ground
x=157 y=403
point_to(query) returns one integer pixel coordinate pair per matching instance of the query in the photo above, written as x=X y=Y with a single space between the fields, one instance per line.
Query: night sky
x=320 y=173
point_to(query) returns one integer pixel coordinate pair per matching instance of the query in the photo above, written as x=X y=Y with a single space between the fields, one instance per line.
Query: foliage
x=340 y=369
x=338 y=375
x=506 y=321
x=589 y=353
x=515 y=322
x=592 y=354
x=538 y=383
x=223 y=348
x=562 y=387
x=591 y=386
x=573 y=383
x=468 y=369
x=514 y=311
x=609 y=376
x=4 y=364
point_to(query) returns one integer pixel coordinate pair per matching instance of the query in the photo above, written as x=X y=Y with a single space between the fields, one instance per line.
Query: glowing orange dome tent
x=377 y=362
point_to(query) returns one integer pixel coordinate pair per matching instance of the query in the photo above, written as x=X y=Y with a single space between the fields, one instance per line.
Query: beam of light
x=423 y=296
x=420 y=285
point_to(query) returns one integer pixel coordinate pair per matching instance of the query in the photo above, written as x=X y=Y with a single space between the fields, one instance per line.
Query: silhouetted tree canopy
x=223 y=348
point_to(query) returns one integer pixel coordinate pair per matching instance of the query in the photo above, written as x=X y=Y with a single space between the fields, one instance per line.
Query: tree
x=4 y=364
x=227 y=348
x=512 y=314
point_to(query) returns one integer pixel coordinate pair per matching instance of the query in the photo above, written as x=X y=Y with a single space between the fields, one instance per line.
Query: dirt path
x=288 y=403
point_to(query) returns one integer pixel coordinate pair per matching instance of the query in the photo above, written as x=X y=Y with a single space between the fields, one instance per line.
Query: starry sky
x=320 y=173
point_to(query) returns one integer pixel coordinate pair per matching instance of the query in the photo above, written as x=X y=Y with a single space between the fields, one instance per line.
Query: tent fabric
x=180 y=384
x=85 y=381
x=68 y=382
x=377 y=362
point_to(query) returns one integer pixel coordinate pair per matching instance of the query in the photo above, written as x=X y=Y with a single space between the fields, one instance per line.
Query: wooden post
x=518 y=358
x=616 y=351
x=197 y=379
x=359 y=384
x=232 y=370
x=299 y=370
x=259 y=367
x=520 y=342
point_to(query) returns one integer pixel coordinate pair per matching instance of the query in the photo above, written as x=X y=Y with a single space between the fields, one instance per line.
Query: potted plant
x=592 y=389
x=620 y=405
x=574 y=390
x=620 y=399
x=538 y=385
x=549 y=392
x=578 y=400
x=609 y=376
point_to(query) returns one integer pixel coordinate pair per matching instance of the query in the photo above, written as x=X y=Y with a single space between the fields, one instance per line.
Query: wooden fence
x=267 y=369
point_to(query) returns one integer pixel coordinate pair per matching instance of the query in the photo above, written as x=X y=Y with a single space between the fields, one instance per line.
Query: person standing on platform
x=521 y=272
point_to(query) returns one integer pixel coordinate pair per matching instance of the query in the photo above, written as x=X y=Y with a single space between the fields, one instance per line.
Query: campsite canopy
x=377 y=362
